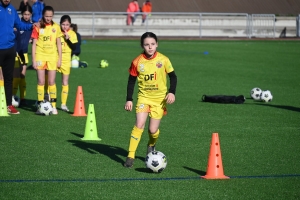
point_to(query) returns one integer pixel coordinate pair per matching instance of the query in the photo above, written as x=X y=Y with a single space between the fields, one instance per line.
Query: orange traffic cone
x=79 y=109
x=215 y=166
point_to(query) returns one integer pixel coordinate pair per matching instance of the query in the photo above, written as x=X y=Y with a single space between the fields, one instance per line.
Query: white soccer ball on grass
x=266 y=96
x=255 y=93
x=156 y=161
x=45 y=108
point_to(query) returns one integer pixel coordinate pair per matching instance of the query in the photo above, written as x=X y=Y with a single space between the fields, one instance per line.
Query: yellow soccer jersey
x=46 y=48
x=66 y=50
x=151 y=75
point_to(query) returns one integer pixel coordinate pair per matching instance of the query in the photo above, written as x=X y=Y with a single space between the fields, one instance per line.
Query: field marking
x=147 y=179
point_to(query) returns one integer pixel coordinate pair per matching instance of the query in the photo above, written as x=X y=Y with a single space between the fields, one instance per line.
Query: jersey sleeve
x=168 y=66
x=35 y=33
x=73 y=37
x=133 y=69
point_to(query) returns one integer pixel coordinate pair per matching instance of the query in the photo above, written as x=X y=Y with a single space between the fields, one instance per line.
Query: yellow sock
x=46 y=84
x=64 y=94
x=153 y=138
x=16 y=82
x=52 y=91
x=134 y=141
x=40 y=92
x=22 y=88
x=1 y=83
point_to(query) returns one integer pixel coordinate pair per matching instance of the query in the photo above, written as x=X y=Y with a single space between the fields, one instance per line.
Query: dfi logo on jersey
x=46 y=38
x=150 y=77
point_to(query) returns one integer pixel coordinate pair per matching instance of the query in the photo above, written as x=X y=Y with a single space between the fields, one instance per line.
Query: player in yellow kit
x=149 y=69
x=68 y=43
x=46 y=44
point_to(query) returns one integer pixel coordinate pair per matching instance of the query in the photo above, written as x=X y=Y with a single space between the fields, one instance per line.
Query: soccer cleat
x=83 y=64
x=150 y=149
x=54 y=111
x=129 y=162
x=64 y=108
x=12 y=110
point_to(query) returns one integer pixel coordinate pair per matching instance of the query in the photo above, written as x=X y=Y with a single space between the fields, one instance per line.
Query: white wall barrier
x=180 y=24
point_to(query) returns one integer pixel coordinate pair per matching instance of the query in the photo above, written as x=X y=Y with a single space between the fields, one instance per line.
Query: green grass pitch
x=45 y=158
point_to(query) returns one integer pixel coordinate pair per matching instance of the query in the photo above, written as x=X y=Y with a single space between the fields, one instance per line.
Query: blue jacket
x=37 y=11
x=77 y=50
x=9 y=19
x=22 y=39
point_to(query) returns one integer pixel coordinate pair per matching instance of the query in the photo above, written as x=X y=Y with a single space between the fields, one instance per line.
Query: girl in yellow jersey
x=68 y=44
x=150 y=69
x=46 y=44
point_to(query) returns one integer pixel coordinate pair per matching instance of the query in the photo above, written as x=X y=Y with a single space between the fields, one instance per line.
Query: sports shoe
x=54 y=111
x=46 y=97
x=12 y=110
x=150 y=149
x=129 y=162
x=83 y=64
x=64 y=108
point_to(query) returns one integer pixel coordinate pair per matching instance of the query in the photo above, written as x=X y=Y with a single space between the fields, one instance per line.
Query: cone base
x=95 y=139
x=4 y=115
x=77 y=115
x=215 y=177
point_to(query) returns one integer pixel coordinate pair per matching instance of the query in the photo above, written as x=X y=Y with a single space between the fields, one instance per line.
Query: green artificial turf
x=45 y=158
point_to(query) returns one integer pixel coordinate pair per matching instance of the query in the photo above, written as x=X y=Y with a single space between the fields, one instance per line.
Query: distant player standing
x=22 y=41
x=45 y=47
x=150 y=69
x=68 y=43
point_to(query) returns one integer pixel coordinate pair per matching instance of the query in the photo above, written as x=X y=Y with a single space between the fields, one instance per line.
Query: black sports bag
x=224 y=99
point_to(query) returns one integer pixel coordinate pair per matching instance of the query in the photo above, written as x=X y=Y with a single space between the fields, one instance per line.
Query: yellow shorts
x=65 y=67
x=48 y=65
x=156 y=109
x=18 y=60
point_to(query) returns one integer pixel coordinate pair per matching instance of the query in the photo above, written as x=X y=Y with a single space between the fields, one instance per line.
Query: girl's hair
x=74 y=27
x=65 y=18
x=26 y=8
x=147 y=35
x=43 y=21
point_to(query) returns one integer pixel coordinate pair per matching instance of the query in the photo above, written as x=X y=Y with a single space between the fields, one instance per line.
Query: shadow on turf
x=112 y=152
x=292 y=108
x=199 y=172
x=30 y=105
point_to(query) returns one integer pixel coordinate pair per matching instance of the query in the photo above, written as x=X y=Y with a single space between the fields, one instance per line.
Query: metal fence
x=174 y=24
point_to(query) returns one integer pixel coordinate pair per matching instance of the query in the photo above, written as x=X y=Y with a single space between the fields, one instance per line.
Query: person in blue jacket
x=9 y=20
x=37 y=10
x=22 y=41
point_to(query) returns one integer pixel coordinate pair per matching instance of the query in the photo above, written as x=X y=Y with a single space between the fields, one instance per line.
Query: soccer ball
x=15 y=101
x=45 y=108
x=103 y=63
x=255 y=93
x=156 y=161
x=266 y=96
x=74 y=63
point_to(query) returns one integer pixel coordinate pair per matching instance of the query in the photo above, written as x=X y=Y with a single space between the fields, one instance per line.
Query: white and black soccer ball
x=255 y=93
x=45 y=108
x=156 y=161
x=15 y=101
x=266 y=96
